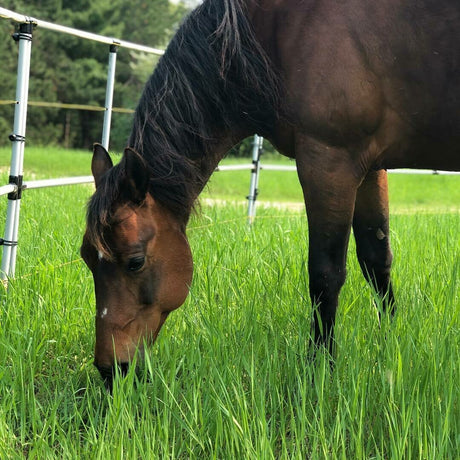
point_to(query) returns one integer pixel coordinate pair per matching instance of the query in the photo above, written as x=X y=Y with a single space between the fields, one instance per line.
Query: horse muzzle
x=109 y=373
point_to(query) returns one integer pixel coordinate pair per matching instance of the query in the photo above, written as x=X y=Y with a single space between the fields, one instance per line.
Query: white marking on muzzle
x=103 y=313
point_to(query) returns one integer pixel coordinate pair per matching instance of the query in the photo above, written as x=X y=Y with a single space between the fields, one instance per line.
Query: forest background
x=71 y=70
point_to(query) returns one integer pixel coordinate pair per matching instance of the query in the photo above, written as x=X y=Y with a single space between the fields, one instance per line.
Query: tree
x=72 y=70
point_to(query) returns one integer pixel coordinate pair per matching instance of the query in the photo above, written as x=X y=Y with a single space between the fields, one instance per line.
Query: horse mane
x=214 y=76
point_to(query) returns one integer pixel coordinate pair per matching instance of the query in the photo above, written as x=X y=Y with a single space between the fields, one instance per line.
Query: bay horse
x=347 y=88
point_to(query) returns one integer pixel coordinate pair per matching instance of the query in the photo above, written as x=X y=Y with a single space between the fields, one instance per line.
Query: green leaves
x=72 y=70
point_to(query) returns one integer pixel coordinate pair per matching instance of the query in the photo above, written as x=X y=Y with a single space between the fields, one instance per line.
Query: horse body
x=346 y=88
x=380 y=80
x=366 y=87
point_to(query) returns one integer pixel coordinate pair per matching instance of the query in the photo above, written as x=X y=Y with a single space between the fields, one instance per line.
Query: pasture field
x=232 y=374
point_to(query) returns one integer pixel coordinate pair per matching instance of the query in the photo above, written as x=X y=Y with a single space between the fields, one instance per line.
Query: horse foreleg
x=371 y=231
x=329 y=186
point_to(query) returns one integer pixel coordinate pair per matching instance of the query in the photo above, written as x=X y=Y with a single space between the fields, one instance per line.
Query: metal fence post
x=10 y=240
x=109 y=95
x=253 y=187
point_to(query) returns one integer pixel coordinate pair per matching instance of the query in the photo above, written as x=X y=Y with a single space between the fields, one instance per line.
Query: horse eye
x=136 y=263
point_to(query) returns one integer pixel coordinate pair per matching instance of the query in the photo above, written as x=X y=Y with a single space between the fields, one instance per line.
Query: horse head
x=139 y=256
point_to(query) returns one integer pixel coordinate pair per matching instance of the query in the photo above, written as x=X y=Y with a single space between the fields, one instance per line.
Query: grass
x=231 y=375
x=49 y=162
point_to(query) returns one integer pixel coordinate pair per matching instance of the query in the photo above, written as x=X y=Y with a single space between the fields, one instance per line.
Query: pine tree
x=72 y=70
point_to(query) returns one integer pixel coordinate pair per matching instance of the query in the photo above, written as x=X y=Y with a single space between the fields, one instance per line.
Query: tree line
x=68 y=69
x=72 y=70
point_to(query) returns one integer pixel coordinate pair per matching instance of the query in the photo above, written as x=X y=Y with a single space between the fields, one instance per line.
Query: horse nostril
x=123 y=367
x=108 y=373
x=107 y=376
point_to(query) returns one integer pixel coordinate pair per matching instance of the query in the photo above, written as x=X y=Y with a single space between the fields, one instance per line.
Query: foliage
x=244 y=148
x=71 y=70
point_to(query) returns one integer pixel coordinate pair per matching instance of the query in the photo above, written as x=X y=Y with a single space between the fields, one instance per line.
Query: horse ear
x=137 y=178
x=100 y=163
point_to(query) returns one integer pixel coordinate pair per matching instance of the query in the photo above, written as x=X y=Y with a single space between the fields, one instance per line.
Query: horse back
x=381 y=78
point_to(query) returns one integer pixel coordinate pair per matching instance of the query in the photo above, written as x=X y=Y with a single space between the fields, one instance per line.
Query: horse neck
x=177 y=182
x=204 y=96
x=215 y=151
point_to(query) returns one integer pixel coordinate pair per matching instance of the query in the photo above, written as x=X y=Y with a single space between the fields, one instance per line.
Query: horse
x=345 y=88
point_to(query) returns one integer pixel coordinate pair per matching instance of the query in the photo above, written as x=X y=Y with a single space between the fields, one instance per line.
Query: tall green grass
x=232 y=374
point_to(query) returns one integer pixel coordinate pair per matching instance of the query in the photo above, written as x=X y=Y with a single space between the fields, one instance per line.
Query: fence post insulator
x=25 y=32
x=4 y=242
x=18 y=182
x=16 y=138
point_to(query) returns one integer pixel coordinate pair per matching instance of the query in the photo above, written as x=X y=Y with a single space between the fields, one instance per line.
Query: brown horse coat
x=346 y=88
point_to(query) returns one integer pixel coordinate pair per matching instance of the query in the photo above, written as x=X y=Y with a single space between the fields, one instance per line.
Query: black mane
x=213 y=77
